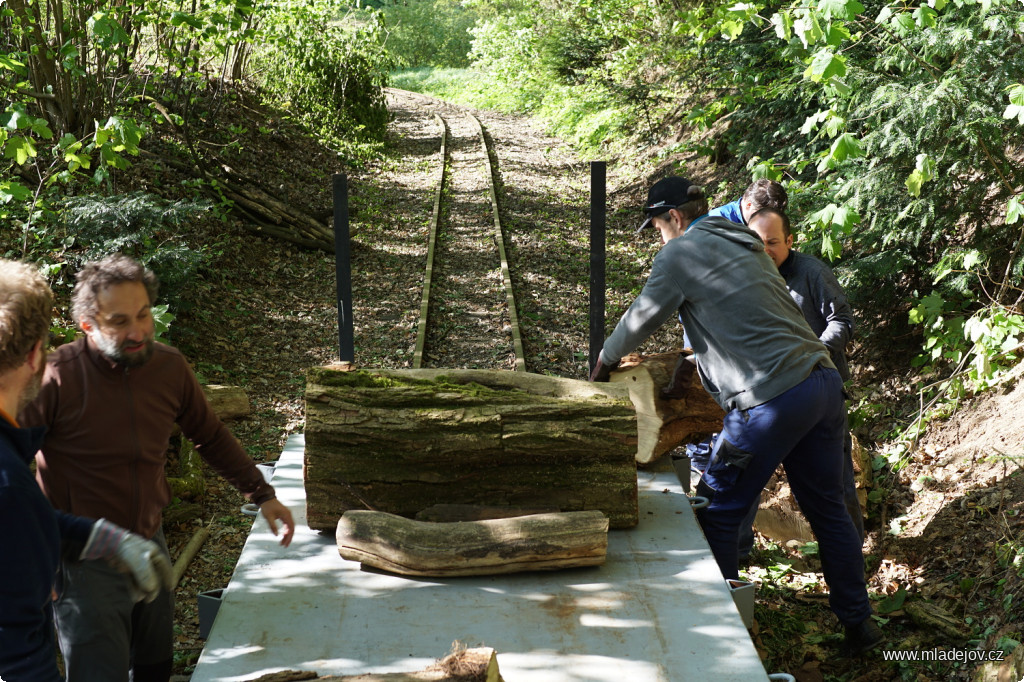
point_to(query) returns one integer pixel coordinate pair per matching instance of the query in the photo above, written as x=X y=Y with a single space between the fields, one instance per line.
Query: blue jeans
x=803 y=429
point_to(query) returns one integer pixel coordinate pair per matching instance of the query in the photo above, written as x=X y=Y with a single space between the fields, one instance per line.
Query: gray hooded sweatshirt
x=750 y=338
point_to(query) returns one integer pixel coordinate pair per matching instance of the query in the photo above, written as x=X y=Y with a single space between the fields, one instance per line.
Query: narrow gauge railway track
x=468 y=315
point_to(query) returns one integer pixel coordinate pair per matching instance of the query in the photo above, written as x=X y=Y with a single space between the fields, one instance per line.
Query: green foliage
x=135 y=225
x=327 y=68
x=428 y=33
x=81 y=83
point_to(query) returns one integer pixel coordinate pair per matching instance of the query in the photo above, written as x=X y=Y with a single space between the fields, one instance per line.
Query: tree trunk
x=665 y=424
x=402 y=441
x=539 y=542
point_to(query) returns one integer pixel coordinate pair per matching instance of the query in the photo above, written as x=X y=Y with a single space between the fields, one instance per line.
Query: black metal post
x=598 y=210
x=343 y=269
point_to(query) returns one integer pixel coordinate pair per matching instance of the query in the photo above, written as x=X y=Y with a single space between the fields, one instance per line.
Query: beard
x=116 y=353
x=32 y=388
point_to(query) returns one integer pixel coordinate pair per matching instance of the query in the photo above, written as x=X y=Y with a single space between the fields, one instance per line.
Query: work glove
x=142 y=559
x=603 y=372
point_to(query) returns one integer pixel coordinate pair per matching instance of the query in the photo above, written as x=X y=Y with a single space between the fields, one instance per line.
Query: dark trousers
x=104 y=634
x=746 y=535
x=803 y=430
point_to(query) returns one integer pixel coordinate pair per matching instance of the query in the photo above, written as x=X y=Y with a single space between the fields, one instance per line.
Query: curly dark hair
x=96 y=276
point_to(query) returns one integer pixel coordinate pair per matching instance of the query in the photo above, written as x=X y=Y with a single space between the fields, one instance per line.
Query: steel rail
x=420 y=348
x=421 y=330
x=499 y=237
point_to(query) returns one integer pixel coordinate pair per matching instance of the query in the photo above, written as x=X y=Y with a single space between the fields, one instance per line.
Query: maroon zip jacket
x=108 y=429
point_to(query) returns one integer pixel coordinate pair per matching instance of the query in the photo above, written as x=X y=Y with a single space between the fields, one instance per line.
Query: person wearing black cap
x=764 y=366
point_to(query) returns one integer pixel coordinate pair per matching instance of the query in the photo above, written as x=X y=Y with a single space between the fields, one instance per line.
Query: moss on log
x=402 y=441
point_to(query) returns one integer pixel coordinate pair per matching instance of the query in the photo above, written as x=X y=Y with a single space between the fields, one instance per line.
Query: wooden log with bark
x=402 y=441
x=227 y=402
x=665 y=424
x=538 y=542
x=479 y=664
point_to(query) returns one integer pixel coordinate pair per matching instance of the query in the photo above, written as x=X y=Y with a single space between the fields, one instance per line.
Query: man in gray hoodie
x=764 y=366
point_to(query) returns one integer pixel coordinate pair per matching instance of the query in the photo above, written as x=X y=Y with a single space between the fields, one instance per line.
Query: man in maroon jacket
x=34 y=534
x=110 y=400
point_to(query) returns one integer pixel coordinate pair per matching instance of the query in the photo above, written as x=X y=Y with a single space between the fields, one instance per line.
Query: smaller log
x=190 y=483
x=539 y=542
x=188 y=554
x=227 y=402
x=469 y=665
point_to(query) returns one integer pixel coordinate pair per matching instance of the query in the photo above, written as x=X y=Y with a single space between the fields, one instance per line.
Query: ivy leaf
x=939 y=5
x=732 y=29
x=811 y=124
x=20 y=149
x=840 y=9
x=824 y=65
x=783 y=23
x=972 y=258
x=836 y=34
x=846 y=146
x=1016 y=107
x=925 y=16
x=12 y=190
x=1014 y=210
x=924 y=172
x=807 y=28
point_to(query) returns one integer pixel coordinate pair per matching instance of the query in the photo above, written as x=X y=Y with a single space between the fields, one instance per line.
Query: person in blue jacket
x=760 y=194
x=31 y=544
x=760 y=361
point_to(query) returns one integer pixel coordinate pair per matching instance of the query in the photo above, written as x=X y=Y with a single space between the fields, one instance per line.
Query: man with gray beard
x=110 y=400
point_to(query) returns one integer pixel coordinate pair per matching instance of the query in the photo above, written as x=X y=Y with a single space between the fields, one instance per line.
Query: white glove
x=142 y=559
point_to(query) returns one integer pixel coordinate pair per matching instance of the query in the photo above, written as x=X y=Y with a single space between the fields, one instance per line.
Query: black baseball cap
x=664 y=195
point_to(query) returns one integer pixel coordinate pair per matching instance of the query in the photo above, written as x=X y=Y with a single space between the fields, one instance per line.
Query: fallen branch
x=189 y=553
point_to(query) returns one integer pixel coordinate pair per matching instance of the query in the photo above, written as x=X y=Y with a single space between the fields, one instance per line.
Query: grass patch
x=582 y=116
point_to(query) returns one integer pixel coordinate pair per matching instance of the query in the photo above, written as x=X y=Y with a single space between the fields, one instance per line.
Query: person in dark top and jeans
x=759 y=360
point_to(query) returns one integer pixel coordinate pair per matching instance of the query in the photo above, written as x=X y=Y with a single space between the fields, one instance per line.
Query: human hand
x=274 y=511
x=603 y=372
x=142 y=559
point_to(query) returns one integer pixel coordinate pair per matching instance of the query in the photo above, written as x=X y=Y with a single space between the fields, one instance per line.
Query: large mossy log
x=402 y=441
x=537 y=542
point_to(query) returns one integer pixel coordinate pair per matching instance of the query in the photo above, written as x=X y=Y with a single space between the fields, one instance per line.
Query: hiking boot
x=862 y=638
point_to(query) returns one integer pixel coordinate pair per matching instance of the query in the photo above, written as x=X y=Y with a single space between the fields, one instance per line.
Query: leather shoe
x=862 y=638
